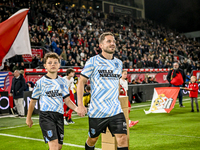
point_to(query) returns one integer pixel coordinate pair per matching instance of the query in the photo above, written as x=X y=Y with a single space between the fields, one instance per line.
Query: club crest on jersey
x=93 y=131
x=62 y=86
x=50 y=133
x=116 y=65
x=124 y=124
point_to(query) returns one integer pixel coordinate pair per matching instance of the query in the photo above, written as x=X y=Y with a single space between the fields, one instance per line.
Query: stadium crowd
x=73 y=34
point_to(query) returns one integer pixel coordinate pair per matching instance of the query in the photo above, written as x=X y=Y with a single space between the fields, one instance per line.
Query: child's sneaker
x=65 y=122
x=69 y=121
x=133 y=123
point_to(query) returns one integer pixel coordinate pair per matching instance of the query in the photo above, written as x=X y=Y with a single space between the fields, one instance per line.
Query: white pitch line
x=6 y=116
x=179 y=135
x=79 y=117
x=16 y=127
x=41 y=140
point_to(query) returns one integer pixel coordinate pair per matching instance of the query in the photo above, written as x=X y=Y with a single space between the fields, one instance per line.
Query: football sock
x=88 y=147
x=69 y=113
x=122 y=148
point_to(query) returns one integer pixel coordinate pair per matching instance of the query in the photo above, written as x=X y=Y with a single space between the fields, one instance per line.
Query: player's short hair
x=87 y=88
x=51 y=55
x=21 y=72
x=124 y=71
x=103 y=35
x=69 y=71
x=194 y=77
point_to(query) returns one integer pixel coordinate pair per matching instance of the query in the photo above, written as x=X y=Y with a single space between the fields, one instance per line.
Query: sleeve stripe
x=84 y=76
x=66 y=96
x=35 y=98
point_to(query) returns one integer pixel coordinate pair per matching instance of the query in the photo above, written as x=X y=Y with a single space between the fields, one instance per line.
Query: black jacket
x=170 y=73
x=18 y=86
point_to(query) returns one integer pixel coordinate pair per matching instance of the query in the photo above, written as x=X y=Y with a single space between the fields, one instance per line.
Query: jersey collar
x=49 y=77
x=104 y=57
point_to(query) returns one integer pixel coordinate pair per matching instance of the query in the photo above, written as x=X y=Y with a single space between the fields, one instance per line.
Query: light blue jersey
x=104 y=78
x=51 y=93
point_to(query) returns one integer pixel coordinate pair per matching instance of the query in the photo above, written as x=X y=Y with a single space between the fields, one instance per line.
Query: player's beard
x=175 y=68
x=109 y=51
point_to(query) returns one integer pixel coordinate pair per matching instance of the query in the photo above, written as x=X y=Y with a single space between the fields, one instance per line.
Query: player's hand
x=10 y=94
x=29 y=122
x=81 y=111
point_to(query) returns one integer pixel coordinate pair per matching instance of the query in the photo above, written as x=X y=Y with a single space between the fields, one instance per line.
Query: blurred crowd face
x=175 y=66
x=16 y=73
x=108 y=45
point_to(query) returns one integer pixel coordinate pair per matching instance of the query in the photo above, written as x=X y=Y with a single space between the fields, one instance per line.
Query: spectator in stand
x=16 y=67
x=133 y=82
x=137 y=81
x=139 y=64
x=54 y=45
x=58 y=50
x=150 y=80
x=154 y=80
x=35 y=61
x=14 y=60
x=17 y=88
x=21 y=66
x=194 y=66
x=189 y=67
x=145 y=81
x=187 y=77
x=176 y=77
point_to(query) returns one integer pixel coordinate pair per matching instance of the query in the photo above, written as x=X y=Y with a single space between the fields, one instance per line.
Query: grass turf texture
x=178 y=130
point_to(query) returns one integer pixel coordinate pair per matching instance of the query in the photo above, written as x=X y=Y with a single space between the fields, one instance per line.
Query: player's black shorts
x=52 y=126
x=116 y=124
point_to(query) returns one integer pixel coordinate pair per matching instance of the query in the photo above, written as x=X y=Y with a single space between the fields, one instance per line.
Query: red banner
x=28 y=57
x=176 y=58
x=33 y=78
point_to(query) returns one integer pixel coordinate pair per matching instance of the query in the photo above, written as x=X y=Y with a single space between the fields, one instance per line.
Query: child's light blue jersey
x=51 y=93
x=104 y=78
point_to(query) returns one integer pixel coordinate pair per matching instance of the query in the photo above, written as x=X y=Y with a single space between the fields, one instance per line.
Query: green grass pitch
x=177 y=130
